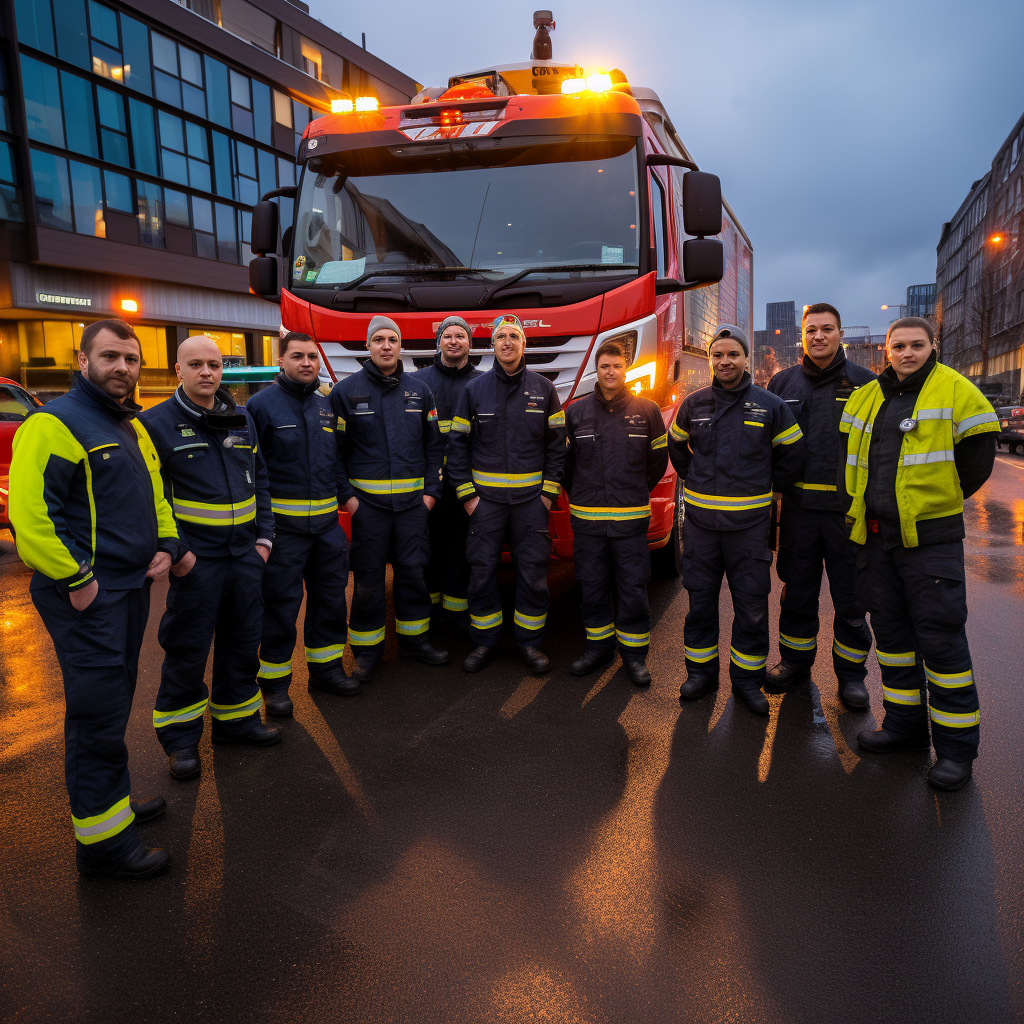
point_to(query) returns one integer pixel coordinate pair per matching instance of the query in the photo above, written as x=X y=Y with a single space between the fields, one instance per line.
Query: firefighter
x=921 y=439
x=295 y=429
x=448 y=571
x=617 y=452
x=506 y=454
x=88 y=508
x=389 y=480
x=731 y=443
x=215 y=474
x=812 y=530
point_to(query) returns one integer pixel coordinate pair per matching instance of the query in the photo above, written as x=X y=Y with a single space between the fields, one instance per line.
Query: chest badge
x=187 y=432
x=907 y=425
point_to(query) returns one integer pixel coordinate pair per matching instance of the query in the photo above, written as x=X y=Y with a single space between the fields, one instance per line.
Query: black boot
x=536 y=660
x=184 y=763
x=854 y=695
x=258 y=735
x=364 y=667
x=639 y=673
x=477 y=658
x=951 y=775
x=881 y=741
x=593 y=657
x=422 y=649
x=147 y=810
x=278 y=703
x=785 y=675
x=333 y=679
x=752 y=700
x=696 y=686
x=142 y=862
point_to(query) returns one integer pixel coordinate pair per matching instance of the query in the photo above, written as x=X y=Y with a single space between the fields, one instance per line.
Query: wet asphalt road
x=454 y=848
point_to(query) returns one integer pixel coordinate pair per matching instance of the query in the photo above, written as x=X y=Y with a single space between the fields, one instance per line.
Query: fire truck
x=562 y=195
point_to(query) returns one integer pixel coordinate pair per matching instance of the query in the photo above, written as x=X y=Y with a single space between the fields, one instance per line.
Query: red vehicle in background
x=15 y=404
x=533 y=188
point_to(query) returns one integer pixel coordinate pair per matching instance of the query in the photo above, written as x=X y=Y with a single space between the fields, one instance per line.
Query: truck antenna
x=542 y=21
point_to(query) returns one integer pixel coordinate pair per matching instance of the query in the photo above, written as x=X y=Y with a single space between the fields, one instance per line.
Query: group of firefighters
x=438 y=470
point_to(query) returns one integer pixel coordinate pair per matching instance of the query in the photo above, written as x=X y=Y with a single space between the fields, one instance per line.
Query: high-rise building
x=784 y=332
x=135 y=138
x=920 y=300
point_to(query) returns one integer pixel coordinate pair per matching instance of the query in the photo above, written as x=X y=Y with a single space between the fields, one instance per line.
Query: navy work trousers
x=744 y=558
x=808 y=540
x=448 y=570
x=220 y=602
x=321 y=561
x=917 y=599
x=530 y=543
x=613 y=573
x=98 y=653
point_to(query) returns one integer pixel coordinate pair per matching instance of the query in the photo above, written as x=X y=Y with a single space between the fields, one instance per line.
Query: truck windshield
x=490 y=209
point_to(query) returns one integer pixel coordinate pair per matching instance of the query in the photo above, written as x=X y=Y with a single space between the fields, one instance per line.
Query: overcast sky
x=845 y=134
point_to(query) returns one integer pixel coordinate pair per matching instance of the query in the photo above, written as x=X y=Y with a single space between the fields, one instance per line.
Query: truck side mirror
x=702 y=204
x=263 y=277
x=263 y=238
x=703 y=259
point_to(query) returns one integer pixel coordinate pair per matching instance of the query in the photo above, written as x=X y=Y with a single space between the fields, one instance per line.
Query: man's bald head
x=199 y=368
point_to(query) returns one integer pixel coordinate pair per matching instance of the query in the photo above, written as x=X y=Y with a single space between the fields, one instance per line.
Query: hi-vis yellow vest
x=948 y=409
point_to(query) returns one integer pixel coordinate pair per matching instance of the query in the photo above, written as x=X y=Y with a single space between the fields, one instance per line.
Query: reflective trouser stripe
x=435 y=597
x=633 y=639
x=900 y=696
x=486 y=621
x=454 y=604
x=303 y=507
x=701 y=654
x=949 y=680
x=405 y=486
x=507 y=479
x=189 y=714
x=274 y=669
x=365 y=638
x=411 y=627
x=611 y=514
x=896 y=660
x=849 y=653
x=226 y=712
x=753 y=662
x=727 y=502
x=600 y=632
x=103 y=826
x=321 y=655
x=530 y=621
x=215 y=515
x=799 y=643
x=955 y=721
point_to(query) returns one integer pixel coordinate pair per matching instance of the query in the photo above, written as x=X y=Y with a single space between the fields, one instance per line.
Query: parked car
x=15 y=404
x=1011 y=428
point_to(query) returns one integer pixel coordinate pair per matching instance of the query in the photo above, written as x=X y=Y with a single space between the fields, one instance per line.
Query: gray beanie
x=453 y=321
x=731 y=331
x=378 y=323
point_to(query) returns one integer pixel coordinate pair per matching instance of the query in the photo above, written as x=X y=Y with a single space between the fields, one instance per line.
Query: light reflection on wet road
x=496 y=847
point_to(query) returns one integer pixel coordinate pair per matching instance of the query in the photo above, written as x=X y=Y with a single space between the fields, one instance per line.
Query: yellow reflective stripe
x=486 y=621
x=365 y=638
x=925 y=458
x=506 y=479
x=677 y=432
x=274 y=669
x=814 y=487
x=955 y=721
x=853 y=654
x=411 y=627
x=435 y=597
x=799 y=643
x=659 y=442
x=701 y=654
x=460 y=425
x=949 y=680
x=752 y=423
x=100 y=447
x=303 y=507
x=557 y=419
x=600 y=512
x=189 y=714
x=405 y=486
x=980 y=424
x=103 y=826
x=87 y=578
x=208 y=514
x=788 y=436
x=727 y=502
x=600 y=632
x=894 y=696
x=633 y=639
x=552 y=488
x=321 y=655
x=530 y=621
x=751 y=662
x=454 y=604
x=895 y=660
x=463 y=489
x=227 y=712
x=444 y=426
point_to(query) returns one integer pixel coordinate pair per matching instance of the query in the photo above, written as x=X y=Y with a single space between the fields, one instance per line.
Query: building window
x=178 y=76
x=150 y=214
x=42 y=102
x=248 y=189
x=113 y=126
x=202 y=220
x=79 y=115
x=229 y=343
x=53 y=194
x=241 y=104
x=118 y=191
x=87 y=194
x=283 y=108
x=10 y=194
x=312 y=62
x=143 y=133
x=218 y=97
x=120 y=48
x=153 y=342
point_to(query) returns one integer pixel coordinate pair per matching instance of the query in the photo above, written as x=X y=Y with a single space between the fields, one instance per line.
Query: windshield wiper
x=395 y=271
x=500 y=286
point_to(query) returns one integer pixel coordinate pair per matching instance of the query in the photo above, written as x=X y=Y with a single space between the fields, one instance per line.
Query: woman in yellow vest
x=921 y=439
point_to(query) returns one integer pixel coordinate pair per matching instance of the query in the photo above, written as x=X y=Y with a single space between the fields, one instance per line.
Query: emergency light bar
x=592 y=83
x=361 y=104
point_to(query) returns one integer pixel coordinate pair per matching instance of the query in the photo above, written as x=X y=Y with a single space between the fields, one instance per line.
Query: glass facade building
x=135 y=139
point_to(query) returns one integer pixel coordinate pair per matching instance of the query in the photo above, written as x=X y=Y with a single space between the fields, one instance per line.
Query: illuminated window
x=154 y=347
x=270 y=345
x=229 y=343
